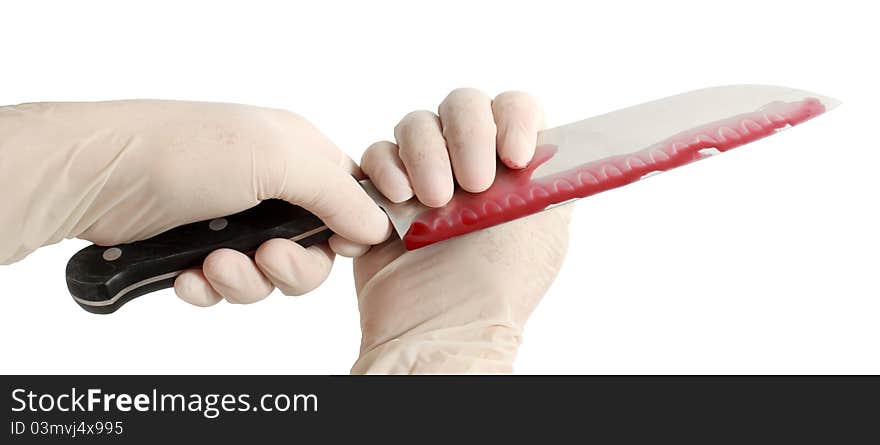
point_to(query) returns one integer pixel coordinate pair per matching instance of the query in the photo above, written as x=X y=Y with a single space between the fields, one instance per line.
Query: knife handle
x=103 y=278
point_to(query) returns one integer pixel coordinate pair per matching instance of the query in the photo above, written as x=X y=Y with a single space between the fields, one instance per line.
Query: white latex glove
x=115 y=172
x=459 y=305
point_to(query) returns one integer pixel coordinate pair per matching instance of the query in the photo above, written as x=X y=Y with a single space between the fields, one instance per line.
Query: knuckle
x=464 y=92
x=104 y=237
x=273 y=135
x=249 y=123
x=417 y=116
x=375 y=153
x=289 y=117
x=416 y=119
x=462 y=112
x=513 y=96
x=463 y=97
x=469 y=132
x=514 y=101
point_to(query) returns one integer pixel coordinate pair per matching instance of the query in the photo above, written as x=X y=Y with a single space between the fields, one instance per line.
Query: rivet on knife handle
x=103 y=278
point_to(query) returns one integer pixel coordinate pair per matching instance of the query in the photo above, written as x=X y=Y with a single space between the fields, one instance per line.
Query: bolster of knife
x=103 y=278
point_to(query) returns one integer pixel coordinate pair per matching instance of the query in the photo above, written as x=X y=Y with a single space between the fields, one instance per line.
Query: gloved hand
x=115 y=172
x=459 y=305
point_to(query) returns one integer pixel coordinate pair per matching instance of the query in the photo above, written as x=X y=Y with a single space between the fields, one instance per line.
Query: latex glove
x=115 y=172
x=459 y=305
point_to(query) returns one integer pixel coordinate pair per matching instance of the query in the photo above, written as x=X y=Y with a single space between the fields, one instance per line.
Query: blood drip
x=515 y=194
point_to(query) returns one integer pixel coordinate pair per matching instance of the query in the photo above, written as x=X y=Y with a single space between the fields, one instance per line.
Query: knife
x=570 y=162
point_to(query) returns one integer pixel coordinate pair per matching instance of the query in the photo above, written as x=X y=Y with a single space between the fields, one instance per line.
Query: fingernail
x=399 y=189
x=476 y=177
x=379 y=229
x=438 y=190
x=518 y=150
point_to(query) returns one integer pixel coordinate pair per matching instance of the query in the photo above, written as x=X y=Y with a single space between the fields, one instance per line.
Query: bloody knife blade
x=608 y=151
x=571 y=161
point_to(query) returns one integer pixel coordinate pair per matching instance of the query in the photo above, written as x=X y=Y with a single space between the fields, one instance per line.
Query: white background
x=763 y=260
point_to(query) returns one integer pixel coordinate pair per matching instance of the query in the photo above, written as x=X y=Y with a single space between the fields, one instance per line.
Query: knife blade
x=572 y=161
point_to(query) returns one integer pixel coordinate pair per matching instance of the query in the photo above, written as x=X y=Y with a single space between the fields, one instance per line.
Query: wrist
x=56 y=157
x=480 y=348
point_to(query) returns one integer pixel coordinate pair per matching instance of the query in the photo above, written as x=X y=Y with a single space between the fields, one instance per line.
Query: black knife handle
x=103 y=278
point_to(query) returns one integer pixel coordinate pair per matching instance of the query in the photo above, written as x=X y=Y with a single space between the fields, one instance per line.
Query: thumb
x=329 y=191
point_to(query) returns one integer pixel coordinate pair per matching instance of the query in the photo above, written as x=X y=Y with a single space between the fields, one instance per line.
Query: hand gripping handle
x=103 y=278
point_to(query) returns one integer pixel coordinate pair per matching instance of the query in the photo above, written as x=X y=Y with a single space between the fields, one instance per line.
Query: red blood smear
x=515 y=194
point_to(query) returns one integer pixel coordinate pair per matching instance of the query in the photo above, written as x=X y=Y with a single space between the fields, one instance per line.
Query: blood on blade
x=515 y=194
